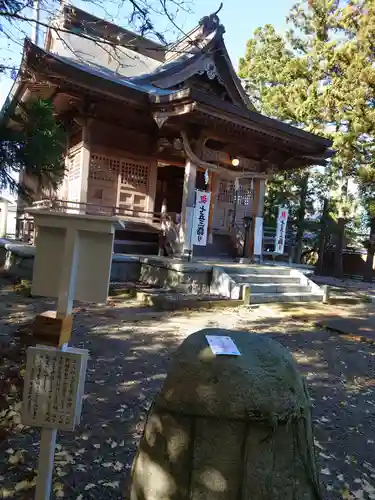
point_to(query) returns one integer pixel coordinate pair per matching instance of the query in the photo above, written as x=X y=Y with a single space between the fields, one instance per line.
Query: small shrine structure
x=148 y=124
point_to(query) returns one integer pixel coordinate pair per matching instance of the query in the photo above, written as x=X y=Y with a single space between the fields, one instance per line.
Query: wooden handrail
x=113 y=210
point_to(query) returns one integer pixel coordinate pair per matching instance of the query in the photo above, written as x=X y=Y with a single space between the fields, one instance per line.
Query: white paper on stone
x=54 y=386
x=222 y=345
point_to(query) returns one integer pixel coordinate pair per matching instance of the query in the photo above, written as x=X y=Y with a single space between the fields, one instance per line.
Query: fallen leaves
x=112 y=484
x=16 y=458
x=24 y=485
x=89 y=486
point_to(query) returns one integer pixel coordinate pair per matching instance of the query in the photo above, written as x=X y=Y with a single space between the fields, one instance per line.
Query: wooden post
x=64 y=310
x=213 y=183
x=85 y=164
x=256 y=210
x=322 y=237
x=326 y=294
x=152 y=188
x=3 y=218
x=187 y=204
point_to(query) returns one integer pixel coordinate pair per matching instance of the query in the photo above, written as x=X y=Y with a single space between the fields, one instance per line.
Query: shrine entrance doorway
x=169 y=187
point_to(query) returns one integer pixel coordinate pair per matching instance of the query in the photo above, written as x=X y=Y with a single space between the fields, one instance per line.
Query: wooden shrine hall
x=148 y=124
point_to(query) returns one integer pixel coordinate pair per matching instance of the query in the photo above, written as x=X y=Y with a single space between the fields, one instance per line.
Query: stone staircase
x=266 y=284
x=136 y=238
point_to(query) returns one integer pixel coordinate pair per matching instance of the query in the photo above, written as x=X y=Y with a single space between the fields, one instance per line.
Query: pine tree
x=31 y=141
x=320 y=76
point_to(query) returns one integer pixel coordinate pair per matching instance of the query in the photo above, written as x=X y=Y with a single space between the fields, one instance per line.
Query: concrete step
x=252 y=270
x=264 y=278
x=261 y=298
x=278 y=288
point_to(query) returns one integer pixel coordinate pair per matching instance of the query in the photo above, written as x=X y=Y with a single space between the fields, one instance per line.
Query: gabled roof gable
x=200 y=52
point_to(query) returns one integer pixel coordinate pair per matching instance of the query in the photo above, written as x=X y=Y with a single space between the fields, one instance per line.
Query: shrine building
x=148 y=124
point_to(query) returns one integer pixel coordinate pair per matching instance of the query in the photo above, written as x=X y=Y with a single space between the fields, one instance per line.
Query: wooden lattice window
x=135 y=175
x=103 y=168
x=245 y=194
x=226 y=192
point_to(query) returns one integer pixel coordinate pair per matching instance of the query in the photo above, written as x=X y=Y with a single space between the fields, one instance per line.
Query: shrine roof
x=99 y=56
x=248 y=116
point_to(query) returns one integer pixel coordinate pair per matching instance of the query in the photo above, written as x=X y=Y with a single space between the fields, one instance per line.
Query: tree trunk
x=338 y=264
x=368 y=272
x=322 y=239
x=301 y=214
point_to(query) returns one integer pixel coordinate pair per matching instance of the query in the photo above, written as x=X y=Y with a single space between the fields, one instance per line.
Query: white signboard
x=221 y=345
x=201 y=216
x=189 y=215
x=54 y=386
x=258 y=236
x=282 y=220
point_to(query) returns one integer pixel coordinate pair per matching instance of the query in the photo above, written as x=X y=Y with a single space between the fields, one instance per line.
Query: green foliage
x=31 y=141
x=320 y=76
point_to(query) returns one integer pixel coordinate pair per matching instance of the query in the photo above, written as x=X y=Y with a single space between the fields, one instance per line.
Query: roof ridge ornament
x=212 y=22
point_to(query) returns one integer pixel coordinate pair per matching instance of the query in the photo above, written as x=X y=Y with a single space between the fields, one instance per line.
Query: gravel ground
x=130 y=348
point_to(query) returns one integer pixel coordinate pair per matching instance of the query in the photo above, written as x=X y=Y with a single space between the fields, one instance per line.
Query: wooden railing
x=75 y=207
x=167 y=223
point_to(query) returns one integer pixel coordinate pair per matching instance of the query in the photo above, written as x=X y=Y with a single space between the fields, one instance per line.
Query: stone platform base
x=228 y=280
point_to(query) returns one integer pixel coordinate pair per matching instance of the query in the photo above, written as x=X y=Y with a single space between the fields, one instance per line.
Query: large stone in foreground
x=228 y=427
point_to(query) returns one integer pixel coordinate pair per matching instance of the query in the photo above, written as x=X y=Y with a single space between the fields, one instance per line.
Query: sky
x=240 y=18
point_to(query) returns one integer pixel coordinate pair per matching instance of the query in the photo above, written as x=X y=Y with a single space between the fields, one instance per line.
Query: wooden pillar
x=187 y=204
x=213 y=187
x=152 y=188
x=85 y=163
x=256 y=211
x=4 y=218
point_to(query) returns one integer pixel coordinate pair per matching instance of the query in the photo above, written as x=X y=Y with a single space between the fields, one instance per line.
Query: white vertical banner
x=258 y=236
x=201 y=216
x=282 y=220
x=189 y=224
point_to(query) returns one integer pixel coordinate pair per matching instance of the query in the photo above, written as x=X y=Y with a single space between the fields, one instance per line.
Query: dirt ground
x=130 y=348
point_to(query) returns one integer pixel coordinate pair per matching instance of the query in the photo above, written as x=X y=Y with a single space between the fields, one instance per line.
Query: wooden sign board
x=54 y=387
x=89 y=256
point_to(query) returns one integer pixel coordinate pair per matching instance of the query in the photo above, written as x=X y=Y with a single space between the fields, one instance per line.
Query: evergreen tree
x=33 y=142
x=320 y=76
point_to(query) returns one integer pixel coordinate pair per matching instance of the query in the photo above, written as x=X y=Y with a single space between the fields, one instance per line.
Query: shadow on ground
x=130 y=348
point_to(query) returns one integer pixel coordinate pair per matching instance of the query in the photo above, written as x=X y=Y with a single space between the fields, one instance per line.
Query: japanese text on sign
x=201 y=216
x=53 y=387
x=282 y=220
x=222 y=345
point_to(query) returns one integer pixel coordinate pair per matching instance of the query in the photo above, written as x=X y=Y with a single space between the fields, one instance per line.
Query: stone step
x=162 y=299
x=278 y=288
x=265 y=278
x=251 y=270
x=261 y=298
